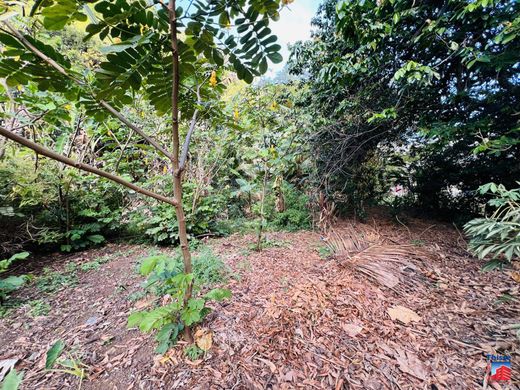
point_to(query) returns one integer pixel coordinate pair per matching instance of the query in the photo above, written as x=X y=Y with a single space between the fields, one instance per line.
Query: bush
x=159 y=221
x=498 y=235
x=48 y=208
x=296 y=215
x=11 y=283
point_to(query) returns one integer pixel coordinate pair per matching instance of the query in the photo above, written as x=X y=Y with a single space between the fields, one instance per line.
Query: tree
x=438 y=77
x=167 y=55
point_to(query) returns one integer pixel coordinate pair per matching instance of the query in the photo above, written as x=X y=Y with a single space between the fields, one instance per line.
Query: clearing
x=296 y=319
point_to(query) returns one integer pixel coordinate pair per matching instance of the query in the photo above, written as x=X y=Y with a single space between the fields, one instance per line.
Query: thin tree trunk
x=177 y=172
x=261 y=227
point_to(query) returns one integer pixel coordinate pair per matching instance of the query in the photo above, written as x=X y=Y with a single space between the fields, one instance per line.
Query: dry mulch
x=295 y=320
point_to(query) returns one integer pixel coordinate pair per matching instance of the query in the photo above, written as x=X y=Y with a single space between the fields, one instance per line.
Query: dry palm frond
x=350 y=240
x=390 y=265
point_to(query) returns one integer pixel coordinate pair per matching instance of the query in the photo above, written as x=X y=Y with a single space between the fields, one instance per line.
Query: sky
x=294 y=25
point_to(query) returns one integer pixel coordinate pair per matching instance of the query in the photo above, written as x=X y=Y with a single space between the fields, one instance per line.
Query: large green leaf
x=13 y=380
x=53 y=354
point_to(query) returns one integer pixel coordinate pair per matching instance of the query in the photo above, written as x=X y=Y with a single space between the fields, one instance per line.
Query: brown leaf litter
x=393 y=308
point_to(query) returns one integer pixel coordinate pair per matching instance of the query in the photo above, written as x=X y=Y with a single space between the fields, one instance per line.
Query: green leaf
x=275 y=57
x=167 y=336
x=19 y=256
x=96 y=238
x=13 y=380
x=148 y=265
x=218 y=294
x=54 y=353
x=135 y=319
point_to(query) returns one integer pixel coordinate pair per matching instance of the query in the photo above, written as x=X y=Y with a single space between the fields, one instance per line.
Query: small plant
x=11 y=283
x=193 y=352
x=12 y=381
x=498 y=235
x=266 y=243
x=52 y=281
x=70 y=365
x=135 y=296
x=325 y=252
x=90 y=266
x=39 y=307
x=167 y=279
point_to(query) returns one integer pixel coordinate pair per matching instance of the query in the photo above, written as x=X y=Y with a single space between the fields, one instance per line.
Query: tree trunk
x=177 y=173
x=262 y=204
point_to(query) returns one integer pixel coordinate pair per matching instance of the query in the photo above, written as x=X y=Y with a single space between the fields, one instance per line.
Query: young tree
x=166 y=54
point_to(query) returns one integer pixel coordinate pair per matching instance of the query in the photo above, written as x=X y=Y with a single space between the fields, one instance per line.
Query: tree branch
x=186 y=144
x=84 y=167
x=104 y=104
x=150 y=140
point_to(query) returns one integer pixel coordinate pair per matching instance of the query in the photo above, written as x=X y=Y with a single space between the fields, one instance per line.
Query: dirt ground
x=297 y=319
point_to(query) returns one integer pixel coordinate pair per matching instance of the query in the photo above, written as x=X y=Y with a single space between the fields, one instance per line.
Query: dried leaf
x=352 y=329
x=204 y=339
x=410 y=363
x=515 y=275
x=403 y=314
x=270 y=364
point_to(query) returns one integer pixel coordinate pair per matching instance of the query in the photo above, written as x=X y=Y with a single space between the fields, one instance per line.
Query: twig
x=409 y=233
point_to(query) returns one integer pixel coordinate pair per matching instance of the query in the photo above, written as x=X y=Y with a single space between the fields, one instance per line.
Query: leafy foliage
x=11 y=283
x=435 y=81
x=12 y=380
x=166 y=276
x=498 y=235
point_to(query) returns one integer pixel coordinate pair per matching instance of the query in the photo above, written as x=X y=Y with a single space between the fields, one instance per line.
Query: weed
x=418 y=242
x=325 y=252
x=90 y=266
x=245 y=252
x=71 y=267
x=269 y=244
x=103 y=259
x=52 y=281
x=39 y=307
x=284 y=282
x=209 y=269
x=193 y=352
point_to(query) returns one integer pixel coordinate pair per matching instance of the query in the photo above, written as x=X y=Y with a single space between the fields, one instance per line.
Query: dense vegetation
x=411 y=105
x=421 y=95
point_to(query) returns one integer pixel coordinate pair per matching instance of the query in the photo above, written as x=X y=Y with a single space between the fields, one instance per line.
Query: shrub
x=159 y=221
x=296 y=215
x=66 y=210
x=498 y=235
x=166 y=276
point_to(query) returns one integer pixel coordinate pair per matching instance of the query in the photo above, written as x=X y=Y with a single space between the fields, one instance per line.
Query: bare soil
x=296 y=320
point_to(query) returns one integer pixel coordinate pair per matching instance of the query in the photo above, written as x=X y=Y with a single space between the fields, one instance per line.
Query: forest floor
x=411 y=310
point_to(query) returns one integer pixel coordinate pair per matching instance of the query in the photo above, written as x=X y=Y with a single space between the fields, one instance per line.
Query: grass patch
x=39 y=307
x=208 y=268
x=90 y=266
x=51 y=281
